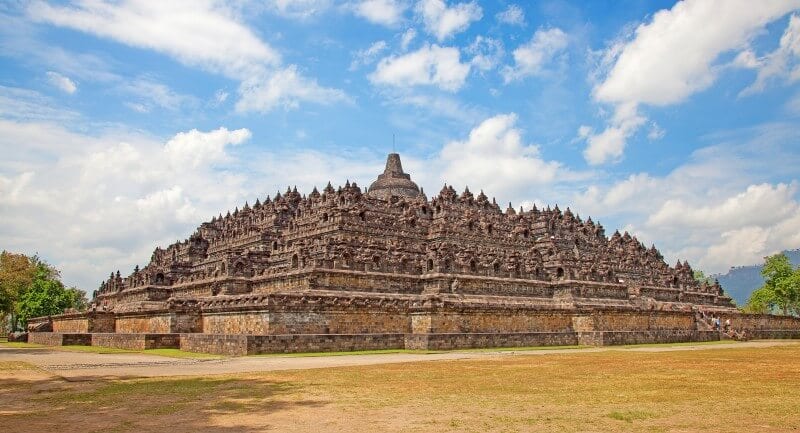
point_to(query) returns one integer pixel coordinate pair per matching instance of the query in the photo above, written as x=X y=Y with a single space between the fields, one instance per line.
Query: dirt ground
x=710 y=388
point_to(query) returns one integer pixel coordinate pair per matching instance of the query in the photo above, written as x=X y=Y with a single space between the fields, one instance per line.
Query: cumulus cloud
x=443 y=21
x=406 y=38
x=784 y=62
x=298 y=9
x=487 y=52
x=716 y=210
x=94 y=202
x=106 y=198
x=532 y=57
x=367 y=55
x=513 y=15
x=384 y=12
x=670 y=58
x=195 y=149
x=610 y=144
x=202 y=34
x=758 y=205
x=495 y=157
x=431 y=65
x=61 y=82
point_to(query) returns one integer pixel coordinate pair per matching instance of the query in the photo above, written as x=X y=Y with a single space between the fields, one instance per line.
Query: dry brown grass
x=722 y=390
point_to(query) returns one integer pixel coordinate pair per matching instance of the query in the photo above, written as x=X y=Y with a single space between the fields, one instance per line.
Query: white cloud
x=781 y=63
x=430 y=65
x=406 y=38
x=762 y=204
x=285 y=87
x=153 y=94
x=195 y=148
x=487 y=52
x=203 y=34
x=494 y=157
x=220 y=96
x=670 y=58
x=103 y=200
x=443 y=21
x=532 y=57
x=367 y=55
x=656 y=132
x=137 y=107
x=610 y=144
x=92 y=203
x=434 y=106
x=298 y=9
x=384 y=12
x=61 y=82
x=718 y=209
x=513 y=15
x=17 y=103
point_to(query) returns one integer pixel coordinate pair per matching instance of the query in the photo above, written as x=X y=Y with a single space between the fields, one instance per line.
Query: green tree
x=81 y=302
x=30 y=287
x=46 y=296
x=781 y=289
x=17 y=272
x=701 y=277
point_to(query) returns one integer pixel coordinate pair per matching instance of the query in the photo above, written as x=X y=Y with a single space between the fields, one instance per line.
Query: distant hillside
x=740 y=281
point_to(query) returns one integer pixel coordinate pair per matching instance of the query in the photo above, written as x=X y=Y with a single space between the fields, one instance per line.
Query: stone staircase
x=704 y=323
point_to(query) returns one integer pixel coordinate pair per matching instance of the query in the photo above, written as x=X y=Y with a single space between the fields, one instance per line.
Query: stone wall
x=642 y=320
x=448 y=341
x=60 y=339
x=350 y=321
x=136 y=341
x=222 y=344
x=186 y=321
x=322 y=343
x=239 y=345
x=502 y=321
x=616 y=338
x=245 y=323
x=761 y=322
x=144 y=324
x=71 y=324
x=763 y=326
x=84 y=322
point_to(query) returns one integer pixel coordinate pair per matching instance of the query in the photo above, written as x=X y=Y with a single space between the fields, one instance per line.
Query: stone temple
x=388 y=268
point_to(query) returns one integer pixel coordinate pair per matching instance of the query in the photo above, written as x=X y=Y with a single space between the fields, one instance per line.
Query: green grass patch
x=21 y=345
x=630 y=415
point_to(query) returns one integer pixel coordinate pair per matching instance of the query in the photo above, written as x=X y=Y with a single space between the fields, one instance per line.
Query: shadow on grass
x=208 y=404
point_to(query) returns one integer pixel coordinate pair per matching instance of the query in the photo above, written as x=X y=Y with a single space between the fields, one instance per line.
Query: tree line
x=30 y=287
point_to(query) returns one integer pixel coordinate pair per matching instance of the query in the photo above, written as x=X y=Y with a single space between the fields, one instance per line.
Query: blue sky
x=124 y=125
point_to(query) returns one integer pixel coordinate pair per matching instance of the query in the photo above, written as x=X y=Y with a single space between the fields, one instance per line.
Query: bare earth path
x=87 y=366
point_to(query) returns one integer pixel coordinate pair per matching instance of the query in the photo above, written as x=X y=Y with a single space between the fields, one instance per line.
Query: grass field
x=725 y=390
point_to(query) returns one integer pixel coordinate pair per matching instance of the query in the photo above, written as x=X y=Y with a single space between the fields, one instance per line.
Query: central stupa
x=393 y=181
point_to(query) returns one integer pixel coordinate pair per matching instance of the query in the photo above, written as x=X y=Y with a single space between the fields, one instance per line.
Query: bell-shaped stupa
x=393 y=181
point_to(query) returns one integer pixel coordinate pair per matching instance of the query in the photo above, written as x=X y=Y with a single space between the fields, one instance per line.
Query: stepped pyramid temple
x=389 y=268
